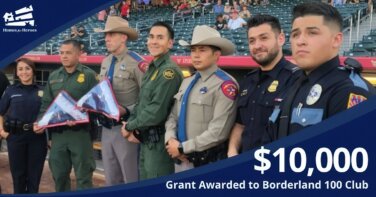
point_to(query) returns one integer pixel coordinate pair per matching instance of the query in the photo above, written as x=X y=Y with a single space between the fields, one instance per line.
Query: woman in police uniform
x=19 y=107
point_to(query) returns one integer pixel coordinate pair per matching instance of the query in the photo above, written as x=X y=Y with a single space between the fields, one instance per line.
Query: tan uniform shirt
x=127 y=78
x=210 y=111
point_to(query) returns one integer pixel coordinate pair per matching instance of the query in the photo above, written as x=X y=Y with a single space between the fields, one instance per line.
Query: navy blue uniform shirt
x=256 y=99
x=324 y=92
x=4 y=82
x=22 y=102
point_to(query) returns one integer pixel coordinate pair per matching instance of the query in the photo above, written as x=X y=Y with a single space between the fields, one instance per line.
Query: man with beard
x=261 y=86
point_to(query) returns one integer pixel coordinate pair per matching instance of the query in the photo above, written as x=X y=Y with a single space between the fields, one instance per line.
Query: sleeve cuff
x=169 y=135
x=188 y=146
x=129 y=126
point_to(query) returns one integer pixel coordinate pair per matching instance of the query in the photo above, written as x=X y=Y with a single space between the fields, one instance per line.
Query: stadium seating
x=183 y=27
x=366 y=47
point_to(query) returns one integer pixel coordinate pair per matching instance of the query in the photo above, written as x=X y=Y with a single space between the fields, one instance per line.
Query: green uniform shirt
x=159 y=85
x=76 y=84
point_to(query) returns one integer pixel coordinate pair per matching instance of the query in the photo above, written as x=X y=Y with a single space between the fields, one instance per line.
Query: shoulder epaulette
x=291 y=67
x=222 y=75
x=142 y=63
x=252 y=71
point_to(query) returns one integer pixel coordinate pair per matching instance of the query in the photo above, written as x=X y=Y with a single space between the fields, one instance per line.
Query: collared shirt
x=21 y=102
x=76 y=84
x=237 y=23
x=256 y=99
x=159 y=85
x=127 y=77
x=211 y=109
x=326 y=91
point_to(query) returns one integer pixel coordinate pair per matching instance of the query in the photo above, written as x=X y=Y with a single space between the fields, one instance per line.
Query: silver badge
x=314 y=94
x=244 y=92
x=122 y=67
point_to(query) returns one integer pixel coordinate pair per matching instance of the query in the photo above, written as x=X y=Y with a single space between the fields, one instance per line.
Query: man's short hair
x=330 y=14
x=167 y=26
x=261 y=19
x=214 y=48
x=76 y=44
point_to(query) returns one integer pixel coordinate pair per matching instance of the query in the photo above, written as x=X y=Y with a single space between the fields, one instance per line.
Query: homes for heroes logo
x=20 y=21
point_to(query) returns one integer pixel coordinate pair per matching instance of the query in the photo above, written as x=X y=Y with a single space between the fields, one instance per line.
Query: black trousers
x=27 y=153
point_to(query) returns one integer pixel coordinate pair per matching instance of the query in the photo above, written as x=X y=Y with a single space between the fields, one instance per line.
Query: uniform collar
x=157 y=63
x=205 y=74
x=273 y=73
x=323 y=69
x=277 y=68
x=121 y=55
x=79 y=68
x=19 y=84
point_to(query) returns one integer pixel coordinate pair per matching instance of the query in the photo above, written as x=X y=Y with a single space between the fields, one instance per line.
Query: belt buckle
x=26 y=127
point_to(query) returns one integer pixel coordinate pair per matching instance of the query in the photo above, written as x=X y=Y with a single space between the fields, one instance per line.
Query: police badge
x=314 y=94
x=81 y=78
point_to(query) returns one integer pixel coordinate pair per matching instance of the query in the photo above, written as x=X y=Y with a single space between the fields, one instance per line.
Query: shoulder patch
x=169 y=74
x=143 y=66
x=355 y=99
x=229 y=89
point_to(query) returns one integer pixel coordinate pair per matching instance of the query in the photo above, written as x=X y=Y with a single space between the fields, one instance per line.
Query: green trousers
x=71 y=148
x=154 y=161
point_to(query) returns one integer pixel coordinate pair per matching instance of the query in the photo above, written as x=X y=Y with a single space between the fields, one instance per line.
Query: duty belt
x=211 y=155
x=151 y=134
x=60 y=129
x=16 y=126
x=107 y=122
x=28 y=127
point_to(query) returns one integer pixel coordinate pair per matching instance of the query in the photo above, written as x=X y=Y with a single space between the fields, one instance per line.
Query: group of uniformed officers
x=170 y=124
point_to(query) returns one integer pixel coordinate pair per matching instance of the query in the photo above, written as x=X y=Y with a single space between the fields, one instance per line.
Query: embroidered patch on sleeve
x=229 y=89
x=355 y=99
x=169 y=74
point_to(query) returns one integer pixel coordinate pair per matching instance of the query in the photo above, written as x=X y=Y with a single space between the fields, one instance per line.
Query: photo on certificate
x=61 y=110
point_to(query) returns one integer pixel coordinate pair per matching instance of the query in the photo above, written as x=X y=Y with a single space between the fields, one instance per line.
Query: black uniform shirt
x=327 y=90
x=3 y=83
x=22 y=102
x=256 y=100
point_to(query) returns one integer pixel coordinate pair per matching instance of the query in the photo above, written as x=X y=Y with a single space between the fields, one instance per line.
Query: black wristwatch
x=180 y=148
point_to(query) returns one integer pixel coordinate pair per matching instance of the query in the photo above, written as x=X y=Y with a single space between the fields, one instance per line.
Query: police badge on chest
x=314 y=94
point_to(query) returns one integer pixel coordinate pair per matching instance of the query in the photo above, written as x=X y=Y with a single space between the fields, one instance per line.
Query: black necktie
x=284 y=120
